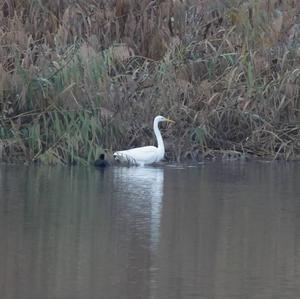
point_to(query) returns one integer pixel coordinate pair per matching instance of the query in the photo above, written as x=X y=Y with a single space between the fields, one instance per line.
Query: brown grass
x=228 y=73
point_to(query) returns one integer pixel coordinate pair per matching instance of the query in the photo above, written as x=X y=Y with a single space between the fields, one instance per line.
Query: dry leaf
x=121 y=52
x=277 y=23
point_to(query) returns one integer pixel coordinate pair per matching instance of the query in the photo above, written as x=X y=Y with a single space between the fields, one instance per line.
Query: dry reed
x=79 y=77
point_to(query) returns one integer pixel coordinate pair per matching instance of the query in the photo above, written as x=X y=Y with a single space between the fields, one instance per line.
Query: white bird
x=146 y=154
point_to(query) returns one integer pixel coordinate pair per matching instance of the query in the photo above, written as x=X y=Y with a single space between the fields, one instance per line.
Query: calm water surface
x=221 y=230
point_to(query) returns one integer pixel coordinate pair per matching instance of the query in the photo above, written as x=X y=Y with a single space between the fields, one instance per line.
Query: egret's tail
x=124 y=158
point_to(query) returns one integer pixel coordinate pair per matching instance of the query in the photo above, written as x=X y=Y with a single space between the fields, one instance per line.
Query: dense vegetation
x=78 y=77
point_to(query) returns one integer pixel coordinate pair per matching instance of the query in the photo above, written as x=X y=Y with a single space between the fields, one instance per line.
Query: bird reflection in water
x=141 y=190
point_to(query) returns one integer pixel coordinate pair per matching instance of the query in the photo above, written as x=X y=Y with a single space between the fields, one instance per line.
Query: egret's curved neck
x=160 y=142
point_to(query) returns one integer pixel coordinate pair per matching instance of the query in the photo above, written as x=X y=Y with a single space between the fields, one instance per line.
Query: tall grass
x=81 y=77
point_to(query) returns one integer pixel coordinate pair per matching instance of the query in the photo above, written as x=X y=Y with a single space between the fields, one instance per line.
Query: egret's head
x=160 y=118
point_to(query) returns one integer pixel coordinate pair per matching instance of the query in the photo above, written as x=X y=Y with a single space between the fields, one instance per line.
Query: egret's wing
x=145 y=154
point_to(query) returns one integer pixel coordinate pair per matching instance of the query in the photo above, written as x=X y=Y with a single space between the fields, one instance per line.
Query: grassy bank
x=81 y=77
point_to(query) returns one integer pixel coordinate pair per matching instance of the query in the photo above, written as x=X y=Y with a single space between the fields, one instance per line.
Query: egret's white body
x=146 y=154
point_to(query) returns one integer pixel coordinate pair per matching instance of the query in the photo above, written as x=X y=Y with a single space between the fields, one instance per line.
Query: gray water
x=220 y=230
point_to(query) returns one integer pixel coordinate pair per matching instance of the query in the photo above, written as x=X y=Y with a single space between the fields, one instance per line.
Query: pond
x=221 y=230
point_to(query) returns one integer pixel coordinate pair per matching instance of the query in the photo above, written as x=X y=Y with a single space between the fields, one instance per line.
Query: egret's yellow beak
x=170 y=121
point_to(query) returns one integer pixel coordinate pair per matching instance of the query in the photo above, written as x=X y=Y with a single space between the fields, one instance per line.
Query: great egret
x=146 y=154
x=101 y=162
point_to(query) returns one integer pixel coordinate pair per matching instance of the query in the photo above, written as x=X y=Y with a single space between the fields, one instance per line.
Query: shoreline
x=221 y=158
